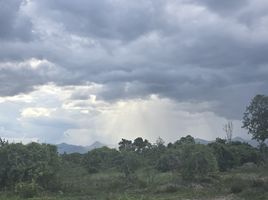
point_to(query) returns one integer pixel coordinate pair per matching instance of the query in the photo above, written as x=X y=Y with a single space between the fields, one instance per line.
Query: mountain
x=95 y=145
x=253 y=143
x=69 y=148
x=201 y=141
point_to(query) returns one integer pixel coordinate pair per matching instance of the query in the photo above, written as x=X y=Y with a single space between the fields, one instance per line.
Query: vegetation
x=256 y=118
x=138 y=170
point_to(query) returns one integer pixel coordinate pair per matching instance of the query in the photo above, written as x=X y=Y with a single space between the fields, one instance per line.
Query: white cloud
x=36 y=112
x=55 y=115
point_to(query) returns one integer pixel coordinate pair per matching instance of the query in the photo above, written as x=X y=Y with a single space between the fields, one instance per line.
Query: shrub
x=197 y=161
x=24 y=163
x=168 y=162
x=27 y=189
x=168 y=188
x=237 y=184
x=100 y=159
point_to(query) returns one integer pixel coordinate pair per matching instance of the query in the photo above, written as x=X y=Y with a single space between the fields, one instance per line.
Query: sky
x=81 y=71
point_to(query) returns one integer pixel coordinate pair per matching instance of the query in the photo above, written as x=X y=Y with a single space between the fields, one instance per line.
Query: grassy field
x=147 y=184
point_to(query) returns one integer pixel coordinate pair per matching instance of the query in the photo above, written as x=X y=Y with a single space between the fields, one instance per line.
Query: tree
x=168 y=162
x=100 y=159
x=220 y=141
x=185 y=140
x=27 y=163
x=125 y=145
x=160 y=142
x=255 y=118
x=140 y=145
x=197 y=161
x=228 y=129
x=128 y=163
x=3 y=142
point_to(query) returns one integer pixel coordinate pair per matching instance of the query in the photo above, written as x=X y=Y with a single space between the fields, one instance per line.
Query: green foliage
x=128 y=163
x=137 y=167
x=125 y=145
x=76 y=158
x=140 y=145
x=197 y=161
x=24 y=163
x=225 y=157
x=27 y=189
x=234 y=154
x=255 y=118
x=168 y=162
x=185 y=140
x=237 y=187
x=3 y=142
x=100 y=159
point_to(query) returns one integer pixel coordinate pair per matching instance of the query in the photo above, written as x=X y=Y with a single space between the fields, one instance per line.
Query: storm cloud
x=196 y=51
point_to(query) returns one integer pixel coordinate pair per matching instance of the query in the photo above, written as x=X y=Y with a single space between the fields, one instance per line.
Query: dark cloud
x=119 y=20
x=224 y=7
x=184 y=50
x=22 y=81
x=14 y=24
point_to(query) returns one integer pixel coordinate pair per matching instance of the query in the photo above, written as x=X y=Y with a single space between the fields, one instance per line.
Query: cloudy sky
x=87 y=70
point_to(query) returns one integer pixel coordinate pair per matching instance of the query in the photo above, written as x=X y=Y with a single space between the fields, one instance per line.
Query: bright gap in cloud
x=59 y=114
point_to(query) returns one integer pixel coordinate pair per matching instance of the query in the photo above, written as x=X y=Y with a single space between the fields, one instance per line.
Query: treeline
x=29 y=169
x=184 y=156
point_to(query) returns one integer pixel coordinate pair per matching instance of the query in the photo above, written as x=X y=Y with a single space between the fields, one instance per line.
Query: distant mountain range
x=69 y=148
x=253 y=143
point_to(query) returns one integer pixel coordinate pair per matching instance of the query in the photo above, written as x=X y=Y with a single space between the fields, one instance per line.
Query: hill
x=253 y=143
x=69 y=148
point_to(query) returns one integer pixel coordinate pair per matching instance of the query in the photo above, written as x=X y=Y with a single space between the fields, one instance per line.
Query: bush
x=168 y=162
x=27 y=190
x=234 y=154
x=168 y=188
x=128 y=163
x=237 y=184
x=24 y=163
x=237 y=187
x=197 y=161
x=100 y=159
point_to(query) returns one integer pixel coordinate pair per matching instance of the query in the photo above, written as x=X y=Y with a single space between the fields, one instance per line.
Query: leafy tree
x=140 y=145
x=154 y=152
x=125 y=145
x=226 y=159
x=74 y=158
x=245 y=153
x=234 y=154
x=159 y=148
x=185 y=140
x=255 y=118
x=160 y=143
x=197 y=161
x=3 y=142
x=168 y=162
x=100 y=159
x=25 y=163
x=128 y=163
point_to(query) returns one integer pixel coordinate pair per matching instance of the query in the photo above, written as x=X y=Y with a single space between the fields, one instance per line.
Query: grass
x=148 y=184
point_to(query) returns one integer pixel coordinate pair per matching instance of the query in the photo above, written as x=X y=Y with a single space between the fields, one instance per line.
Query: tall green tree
x=125 y=145
x=100 y=159
x=255 y=118
x=185 y=140
x=25 y=163
x=140 y=145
